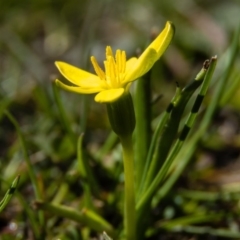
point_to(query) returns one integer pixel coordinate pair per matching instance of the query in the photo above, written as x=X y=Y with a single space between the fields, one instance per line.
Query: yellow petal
x=130 y=63
x=77 y=89
x=162 y=41
x=78 y=76
x=141 y=66
x=152 y=53
x=110 y=95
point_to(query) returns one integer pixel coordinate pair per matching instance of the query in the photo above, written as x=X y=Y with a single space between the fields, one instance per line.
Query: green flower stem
x=143 y=125
x=129 y=211
x=122 y=119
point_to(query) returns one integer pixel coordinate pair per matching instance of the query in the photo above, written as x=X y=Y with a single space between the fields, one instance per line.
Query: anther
x=97 y=68
x=109 y=51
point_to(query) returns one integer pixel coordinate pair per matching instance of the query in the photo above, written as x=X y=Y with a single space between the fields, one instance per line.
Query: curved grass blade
x=63 y=116
x=86 y=216
x=199 y=218
x=29 y=212
x=4 y=103
x=163 y=120
x=107 y=146
x=192 y=116
x=190 y=121
x=86 y=175
x=209 y=231
x=7 y=197
x=31 y=172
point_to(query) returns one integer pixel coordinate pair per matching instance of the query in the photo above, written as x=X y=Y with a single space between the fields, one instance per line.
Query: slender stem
x=142 y=100
x=129 y=205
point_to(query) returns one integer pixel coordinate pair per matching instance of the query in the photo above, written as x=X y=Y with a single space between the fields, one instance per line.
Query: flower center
x=114 y=68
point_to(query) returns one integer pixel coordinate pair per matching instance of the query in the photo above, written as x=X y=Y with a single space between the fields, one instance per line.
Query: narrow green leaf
x=192 y=219
x=206 y=230
x=167 y=164
x=31 y=172
x=86 y=216
x=171 y=128
x=63 y=116
x=192 y=143
x=163 y=120
x=107 y=146
x=7 y=197
x=85 y=175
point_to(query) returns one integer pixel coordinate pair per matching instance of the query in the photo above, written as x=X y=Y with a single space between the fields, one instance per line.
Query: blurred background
x=34 y=34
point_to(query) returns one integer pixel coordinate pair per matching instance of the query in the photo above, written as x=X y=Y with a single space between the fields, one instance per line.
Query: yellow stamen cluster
x=114 y=68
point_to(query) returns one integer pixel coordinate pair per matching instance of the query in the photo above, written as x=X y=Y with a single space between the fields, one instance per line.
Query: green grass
x=61 y=145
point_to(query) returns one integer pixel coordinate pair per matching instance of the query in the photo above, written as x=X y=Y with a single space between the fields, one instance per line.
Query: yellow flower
x=119 y=72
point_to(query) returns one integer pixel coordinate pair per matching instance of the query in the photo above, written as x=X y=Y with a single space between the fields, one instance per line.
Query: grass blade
x=7 y=197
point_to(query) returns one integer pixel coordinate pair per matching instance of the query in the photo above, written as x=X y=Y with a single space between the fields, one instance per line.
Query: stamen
x=109 y=51
x=107 y=72
x=113 y=71
x=114 y=68
x=118 y=60
x=123 y=61
x=97 y=68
